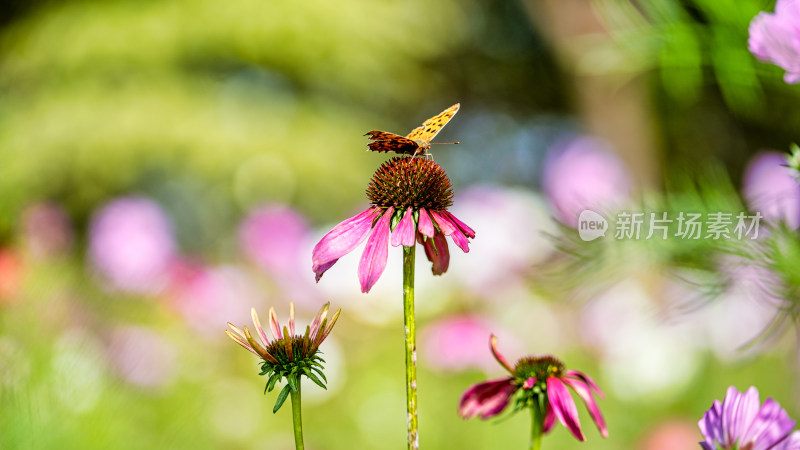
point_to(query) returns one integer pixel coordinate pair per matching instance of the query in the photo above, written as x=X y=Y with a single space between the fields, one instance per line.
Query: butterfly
x=418 y=141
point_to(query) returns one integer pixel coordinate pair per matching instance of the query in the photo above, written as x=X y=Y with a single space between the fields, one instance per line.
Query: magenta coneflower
x=539 y=383
x=741 y=422
x=409 y=199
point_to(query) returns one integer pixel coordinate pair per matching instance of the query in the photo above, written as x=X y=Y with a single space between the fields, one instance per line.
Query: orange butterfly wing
x=431 y=127
x=390 y=142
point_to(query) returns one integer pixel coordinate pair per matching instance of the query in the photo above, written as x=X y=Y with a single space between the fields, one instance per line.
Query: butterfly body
x=418 y=142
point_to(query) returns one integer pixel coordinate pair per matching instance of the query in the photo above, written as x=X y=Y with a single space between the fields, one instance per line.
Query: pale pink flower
x=775 y=38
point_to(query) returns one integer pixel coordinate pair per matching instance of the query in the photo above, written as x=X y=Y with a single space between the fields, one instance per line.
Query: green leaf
x=272 y=380
x=281 y=398
x=292 y=381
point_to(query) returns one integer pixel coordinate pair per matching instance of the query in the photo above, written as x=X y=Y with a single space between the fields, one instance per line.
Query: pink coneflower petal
x=373 y=260
x=238 y=336
x=498 y=356
x=469 y=232
x=460 y=240
x=528 y=384
x=444 y=223
x=329 y=327
x=584 y=391
x=404 y=233
x=451 y=229
x=549 y=420
x=437 y=252
x=586 y=379
x=486 y=399
x=291 y=318
x=274 y=325
x=564 y=407
x=425 y=223
x=259 y=328
x=323 y=312
x=341 y=240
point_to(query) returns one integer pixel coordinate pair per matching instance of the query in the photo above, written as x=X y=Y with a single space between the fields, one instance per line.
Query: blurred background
x=167 y=165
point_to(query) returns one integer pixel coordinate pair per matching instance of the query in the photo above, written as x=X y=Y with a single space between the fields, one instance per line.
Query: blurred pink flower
x=670 y=435
x=775 y=38
x=495 y=261
x=47 y=230
x=131 y=244
x=450 y=343
x=772 y=189
x=583 y=173
x=274 y=237
x=277 y=238
x=208 y=297
x=141 y=357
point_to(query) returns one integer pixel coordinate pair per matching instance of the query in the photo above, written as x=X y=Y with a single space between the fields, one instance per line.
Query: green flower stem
x=537 y=425
x=411 y=346
x=297 y=418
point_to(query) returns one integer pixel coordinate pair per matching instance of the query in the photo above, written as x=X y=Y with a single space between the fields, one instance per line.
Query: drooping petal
x=404 y=233
x=451 y=229
x=497 y=355
x=486 y=399
x=443 y=222
x=425 y=224
x=564 y=407
x=274 y=326
x=469 y=232
x=259 y=329
x=586 y=379
x=320 y=269
x=549 y=420
x=437 y=252
x=341 y=240
x=769 y=427
x=584 y=391
x=376 y=252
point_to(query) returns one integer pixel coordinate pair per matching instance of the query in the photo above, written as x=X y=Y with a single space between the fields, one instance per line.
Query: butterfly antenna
x=443 y=143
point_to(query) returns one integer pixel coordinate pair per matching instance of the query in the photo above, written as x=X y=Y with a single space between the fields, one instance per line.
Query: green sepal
x=266 y=368
x=314 y=378
x=292 y=379
x=281 y=398
x=317 y=370
x=271 y=382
